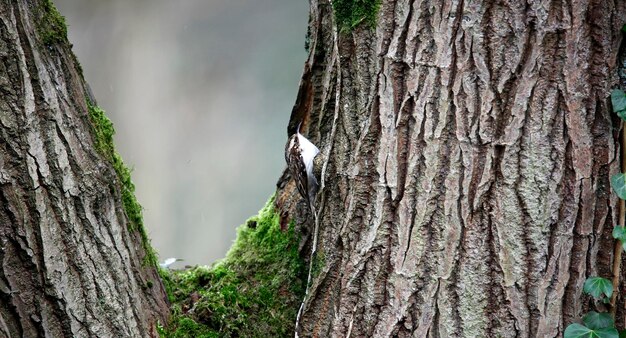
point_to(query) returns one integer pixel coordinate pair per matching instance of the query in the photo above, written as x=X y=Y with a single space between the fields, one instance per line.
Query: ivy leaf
x=576 y=330
x=618 y=183
x=619 y=232
x=595 y=320
x=596 y=286
x=579 y=331
x=609 y=332
x=618 y=100
x=622 y=114
x=622 y=334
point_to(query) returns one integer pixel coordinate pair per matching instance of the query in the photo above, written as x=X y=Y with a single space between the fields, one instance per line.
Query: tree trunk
x=468 y=148
x=75 y=261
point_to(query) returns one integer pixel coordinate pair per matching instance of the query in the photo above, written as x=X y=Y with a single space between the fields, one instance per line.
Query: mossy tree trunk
x=74 y=259
x=468 y=144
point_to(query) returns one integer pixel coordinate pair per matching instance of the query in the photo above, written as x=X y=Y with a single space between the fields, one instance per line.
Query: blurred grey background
x=200 y=93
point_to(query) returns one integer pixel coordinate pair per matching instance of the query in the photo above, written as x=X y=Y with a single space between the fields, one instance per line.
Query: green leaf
x=624 y=28
x=609 y=332
x=618 y=182
x=596 y=286
x=622 y=334
x=618 y=100
x=622 y=114
x=619 y=232
x=576 y=330
x=579 y=331
x=595 y=320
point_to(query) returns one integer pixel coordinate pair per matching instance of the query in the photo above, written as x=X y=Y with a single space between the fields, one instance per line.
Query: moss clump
x=319 y=261
x=254 y=292
x=51 y=24
x=351 y=13
x=103 y=137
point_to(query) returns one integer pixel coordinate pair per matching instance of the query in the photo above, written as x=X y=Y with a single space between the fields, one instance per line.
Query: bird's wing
x=297 y=168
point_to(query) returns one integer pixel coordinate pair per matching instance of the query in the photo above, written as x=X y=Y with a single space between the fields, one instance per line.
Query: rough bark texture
x=468 y=146
x=69 y=265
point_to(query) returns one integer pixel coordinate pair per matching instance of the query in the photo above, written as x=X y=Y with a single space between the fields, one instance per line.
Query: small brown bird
x=299 y=154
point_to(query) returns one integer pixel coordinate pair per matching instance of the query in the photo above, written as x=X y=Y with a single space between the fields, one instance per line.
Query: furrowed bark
x=69 y=264
x=469 y=147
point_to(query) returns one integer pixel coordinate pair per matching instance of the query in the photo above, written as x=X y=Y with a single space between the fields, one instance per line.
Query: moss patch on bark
x=351 y=13
x=254 y=292
x=51 y=27
x=103 y=138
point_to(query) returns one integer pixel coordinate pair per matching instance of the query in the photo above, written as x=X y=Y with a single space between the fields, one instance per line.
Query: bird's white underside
x=308 y=151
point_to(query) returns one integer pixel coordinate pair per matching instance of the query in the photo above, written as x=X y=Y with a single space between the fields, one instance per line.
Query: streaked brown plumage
x=299 y=154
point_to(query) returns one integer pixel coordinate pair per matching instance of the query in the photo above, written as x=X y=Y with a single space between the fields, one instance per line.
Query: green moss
x=51 y=24
x=351 y=13
x=103 y=137
x=254 y=292
x=52 y=29
x=319 y=260
x=103 y=130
